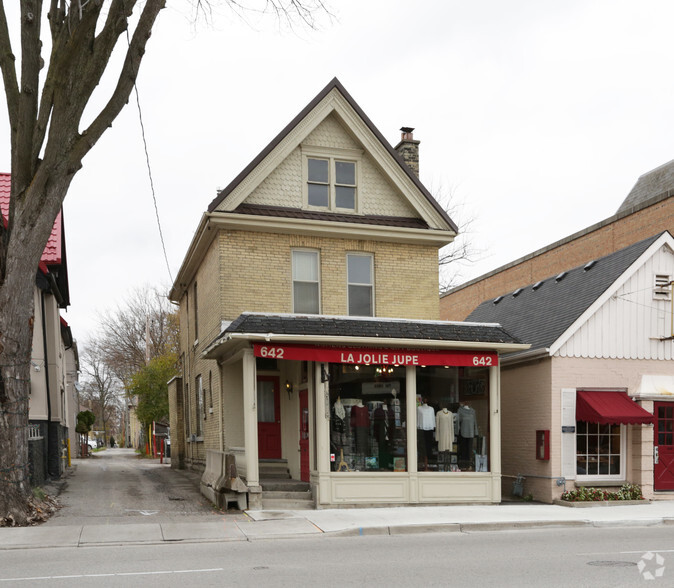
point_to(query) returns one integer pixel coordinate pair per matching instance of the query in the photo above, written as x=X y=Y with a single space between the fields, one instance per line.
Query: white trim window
x=331 y=179
x=600 y=451
x=306 y=281
x=360 y=284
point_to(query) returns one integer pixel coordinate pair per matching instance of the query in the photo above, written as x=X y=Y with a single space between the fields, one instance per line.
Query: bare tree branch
x=7 y=66
x=125 y=84
x=462 y=251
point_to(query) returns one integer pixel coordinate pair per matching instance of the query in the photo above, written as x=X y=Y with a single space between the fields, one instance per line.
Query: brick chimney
x=408 y=149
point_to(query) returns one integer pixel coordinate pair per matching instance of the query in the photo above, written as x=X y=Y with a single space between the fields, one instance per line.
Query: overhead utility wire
x=149 y=172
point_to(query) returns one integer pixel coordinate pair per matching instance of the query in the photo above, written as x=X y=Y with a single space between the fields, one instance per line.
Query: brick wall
x=602 y=239
x=525 y=408
x=177 y=416
x=256 y=274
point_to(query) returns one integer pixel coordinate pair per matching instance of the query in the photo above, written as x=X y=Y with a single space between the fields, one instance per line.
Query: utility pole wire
x=149 y=173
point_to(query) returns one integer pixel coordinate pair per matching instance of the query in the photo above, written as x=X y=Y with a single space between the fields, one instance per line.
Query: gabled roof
x=377 y=331
x=53 y=262
x=657 y=182
x=53 y=252
x=333 y=85
x=541 y=313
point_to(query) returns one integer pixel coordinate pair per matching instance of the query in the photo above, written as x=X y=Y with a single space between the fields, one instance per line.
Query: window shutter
x=569 y=439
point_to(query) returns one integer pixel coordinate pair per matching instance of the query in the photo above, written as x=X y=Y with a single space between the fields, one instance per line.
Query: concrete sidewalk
x=259 y=525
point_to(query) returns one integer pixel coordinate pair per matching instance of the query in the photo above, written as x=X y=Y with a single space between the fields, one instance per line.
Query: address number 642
x=482 y=360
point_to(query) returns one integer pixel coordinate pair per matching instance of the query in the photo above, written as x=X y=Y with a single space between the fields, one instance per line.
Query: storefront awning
x=610 y=408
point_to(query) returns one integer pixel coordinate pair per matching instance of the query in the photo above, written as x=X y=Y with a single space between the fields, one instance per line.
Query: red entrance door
x=304 y=436
x=663 y=472
x=268 y=418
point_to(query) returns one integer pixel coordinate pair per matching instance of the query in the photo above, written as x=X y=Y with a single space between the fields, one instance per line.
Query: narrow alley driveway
x=116 y=486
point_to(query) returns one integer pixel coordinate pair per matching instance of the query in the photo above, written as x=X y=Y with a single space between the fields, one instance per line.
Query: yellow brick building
x=324 y=248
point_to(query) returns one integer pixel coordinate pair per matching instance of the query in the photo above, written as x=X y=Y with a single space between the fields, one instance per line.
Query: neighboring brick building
x=281 y=296
x=601 y=337
x=648 y=209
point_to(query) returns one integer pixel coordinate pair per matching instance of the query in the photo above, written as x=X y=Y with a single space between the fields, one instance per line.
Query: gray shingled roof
x=375 y=328
x=540 y=316
x=654 y=183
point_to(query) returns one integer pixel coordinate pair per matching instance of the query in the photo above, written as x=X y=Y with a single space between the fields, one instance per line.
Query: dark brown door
x=268 y=418
x=663 y=471
x=304 y=436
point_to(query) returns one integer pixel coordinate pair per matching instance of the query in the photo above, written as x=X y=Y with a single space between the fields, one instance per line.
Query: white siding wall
x=630 y=323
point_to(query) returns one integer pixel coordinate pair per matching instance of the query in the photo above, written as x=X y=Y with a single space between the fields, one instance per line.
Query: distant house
x=592 y=402
x=647 y=209
x=54 y=360
x=310 y=341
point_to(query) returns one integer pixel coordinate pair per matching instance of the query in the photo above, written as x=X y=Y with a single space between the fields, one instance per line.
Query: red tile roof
x=53 y=253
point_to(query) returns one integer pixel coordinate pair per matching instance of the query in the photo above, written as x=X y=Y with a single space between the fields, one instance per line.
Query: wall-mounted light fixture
x=289 y=388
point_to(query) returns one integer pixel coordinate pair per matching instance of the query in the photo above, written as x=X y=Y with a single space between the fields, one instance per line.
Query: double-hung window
x=331 y=179
x=360 y=288
x=306 y=282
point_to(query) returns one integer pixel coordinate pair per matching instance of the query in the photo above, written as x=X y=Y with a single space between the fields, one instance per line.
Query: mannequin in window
x=444 y=429
x=425 y=429
x=383 y=433
x=467 y=430
x=338 y=425
x=360 y=424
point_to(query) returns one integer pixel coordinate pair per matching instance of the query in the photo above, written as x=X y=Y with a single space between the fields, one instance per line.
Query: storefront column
x=250 y=419
x=322 y=422
x=411 y=418
x=495 y=430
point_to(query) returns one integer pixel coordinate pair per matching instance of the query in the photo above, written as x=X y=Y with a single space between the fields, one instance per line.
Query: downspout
x=46 y=375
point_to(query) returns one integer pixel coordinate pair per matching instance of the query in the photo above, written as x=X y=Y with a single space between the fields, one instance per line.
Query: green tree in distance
x=150 y=386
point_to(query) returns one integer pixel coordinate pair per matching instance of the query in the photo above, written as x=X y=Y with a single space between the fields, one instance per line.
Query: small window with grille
x=662 y=290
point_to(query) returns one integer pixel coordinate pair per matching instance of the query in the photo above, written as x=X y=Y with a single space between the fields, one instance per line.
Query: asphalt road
x=116 y=486
x=595 y=557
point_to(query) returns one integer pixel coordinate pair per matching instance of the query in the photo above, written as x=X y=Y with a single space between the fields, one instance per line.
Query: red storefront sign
x=376 y=356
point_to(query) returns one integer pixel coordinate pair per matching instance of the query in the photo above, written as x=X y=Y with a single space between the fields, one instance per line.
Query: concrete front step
x=283 y=485
x=277 y=475
x=287 y=504
x=282 y=495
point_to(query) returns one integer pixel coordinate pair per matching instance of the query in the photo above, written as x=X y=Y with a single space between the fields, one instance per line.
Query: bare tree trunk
x=47 y=147
x=16 y=296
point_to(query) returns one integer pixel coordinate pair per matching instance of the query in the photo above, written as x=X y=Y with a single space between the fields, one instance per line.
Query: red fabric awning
x=610 y=408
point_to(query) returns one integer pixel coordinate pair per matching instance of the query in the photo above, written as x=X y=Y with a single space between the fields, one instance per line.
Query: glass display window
x=599 y=449
x=453 y=419
x=367 y=418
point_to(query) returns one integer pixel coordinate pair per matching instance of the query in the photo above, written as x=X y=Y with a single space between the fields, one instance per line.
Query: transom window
x=598 y=449
x=306 y=283
x=360 y=284
x=331 y=183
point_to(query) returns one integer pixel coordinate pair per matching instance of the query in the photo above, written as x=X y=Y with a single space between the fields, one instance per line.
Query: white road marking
x=69 y=577
x=639 y=552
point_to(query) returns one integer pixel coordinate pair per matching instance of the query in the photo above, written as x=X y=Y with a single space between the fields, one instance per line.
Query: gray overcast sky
x=540 y=115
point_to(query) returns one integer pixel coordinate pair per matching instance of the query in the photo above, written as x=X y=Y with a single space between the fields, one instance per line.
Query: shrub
x=586 y=494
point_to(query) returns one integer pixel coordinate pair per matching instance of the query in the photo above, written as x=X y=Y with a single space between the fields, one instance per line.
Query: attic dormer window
x=331 y=183
x=331 y=178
